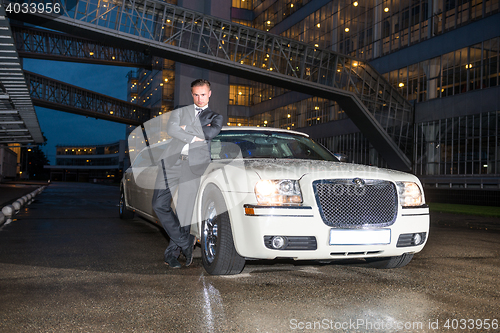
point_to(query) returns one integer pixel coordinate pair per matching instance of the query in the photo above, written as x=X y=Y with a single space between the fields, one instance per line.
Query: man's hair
x=200 y=83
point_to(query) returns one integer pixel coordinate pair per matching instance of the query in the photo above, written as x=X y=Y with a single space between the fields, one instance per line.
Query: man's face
x=201 y=95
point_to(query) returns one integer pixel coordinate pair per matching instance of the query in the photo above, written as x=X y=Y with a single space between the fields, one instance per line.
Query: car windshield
x=267 y=144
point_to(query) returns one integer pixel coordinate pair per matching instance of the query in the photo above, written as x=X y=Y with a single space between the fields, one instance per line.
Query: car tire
x=219 y=256
x=125 y=214
x=390 y=262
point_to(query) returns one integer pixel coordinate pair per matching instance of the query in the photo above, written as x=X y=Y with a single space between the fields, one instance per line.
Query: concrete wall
x=473 y=102
x=8 y=163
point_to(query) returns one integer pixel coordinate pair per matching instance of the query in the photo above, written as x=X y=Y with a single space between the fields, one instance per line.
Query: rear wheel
x=390 y=262
x=219 y=255
x=125 y=214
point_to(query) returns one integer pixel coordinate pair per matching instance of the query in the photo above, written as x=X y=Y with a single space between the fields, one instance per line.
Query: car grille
x=344 y=204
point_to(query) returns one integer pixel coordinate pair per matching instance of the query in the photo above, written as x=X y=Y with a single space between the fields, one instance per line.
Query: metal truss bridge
x=57 y=95
x=172 y=32
x=52 y=45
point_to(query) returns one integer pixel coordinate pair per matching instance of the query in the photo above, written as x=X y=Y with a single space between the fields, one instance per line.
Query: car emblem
x=358 y=182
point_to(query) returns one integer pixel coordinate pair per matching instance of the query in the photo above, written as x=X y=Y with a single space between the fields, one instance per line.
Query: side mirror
x=341 y=157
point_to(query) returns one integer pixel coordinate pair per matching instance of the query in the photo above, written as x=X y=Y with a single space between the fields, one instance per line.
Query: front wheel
x=125 y=214
x=390 y=262
x=219 y=255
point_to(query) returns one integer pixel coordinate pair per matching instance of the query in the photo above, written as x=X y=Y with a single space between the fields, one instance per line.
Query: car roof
x=260 y=129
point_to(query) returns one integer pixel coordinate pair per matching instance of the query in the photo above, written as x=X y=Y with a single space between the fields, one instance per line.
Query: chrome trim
x=261 y=215
x=275 y=207
x=415 y=207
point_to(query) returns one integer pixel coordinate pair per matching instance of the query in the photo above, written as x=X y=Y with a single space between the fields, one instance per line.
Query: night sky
x=67 y=129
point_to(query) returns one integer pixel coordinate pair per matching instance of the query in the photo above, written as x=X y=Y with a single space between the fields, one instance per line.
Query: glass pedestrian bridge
x=186 y=36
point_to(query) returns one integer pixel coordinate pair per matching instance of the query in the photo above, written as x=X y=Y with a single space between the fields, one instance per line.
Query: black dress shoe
x=173 y=263
x=188 y=253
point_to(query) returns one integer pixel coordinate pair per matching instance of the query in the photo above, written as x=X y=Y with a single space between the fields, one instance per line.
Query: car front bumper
x=255 y=226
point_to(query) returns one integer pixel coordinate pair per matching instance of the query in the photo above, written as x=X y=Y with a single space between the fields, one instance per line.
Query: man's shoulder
x=182 y=108
x=213 y=113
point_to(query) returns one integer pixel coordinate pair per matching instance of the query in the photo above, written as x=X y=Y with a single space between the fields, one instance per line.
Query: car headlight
x=409 y=194
x=278 y=192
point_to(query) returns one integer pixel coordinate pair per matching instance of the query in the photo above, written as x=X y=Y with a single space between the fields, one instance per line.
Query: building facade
x=102 y=163
x=442 y=55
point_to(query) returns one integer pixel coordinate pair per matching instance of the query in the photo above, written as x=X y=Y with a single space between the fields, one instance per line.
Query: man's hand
x=195 y=138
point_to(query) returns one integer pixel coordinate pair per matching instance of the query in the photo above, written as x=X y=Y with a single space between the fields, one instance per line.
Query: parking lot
x=69 y=264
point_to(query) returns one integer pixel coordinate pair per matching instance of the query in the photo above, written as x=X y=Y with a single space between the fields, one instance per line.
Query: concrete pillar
x=335 y=24
x=377 y=28
x=432 y=69
x=431 y=135
x=435 y=21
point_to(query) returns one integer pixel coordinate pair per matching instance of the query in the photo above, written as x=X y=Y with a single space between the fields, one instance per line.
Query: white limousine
x=271 y=193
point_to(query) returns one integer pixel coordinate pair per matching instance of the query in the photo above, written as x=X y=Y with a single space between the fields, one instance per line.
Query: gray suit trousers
x=177 y=224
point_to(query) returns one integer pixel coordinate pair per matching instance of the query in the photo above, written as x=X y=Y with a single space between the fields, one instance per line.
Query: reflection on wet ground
x=67 y=264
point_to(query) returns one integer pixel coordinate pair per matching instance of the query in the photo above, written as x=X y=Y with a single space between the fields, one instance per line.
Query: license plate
x=360 y=237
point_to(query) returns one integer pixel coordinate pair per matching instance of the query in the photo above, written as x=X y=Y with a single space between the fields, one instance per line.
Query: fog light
x=278 y=242
x=417 y=239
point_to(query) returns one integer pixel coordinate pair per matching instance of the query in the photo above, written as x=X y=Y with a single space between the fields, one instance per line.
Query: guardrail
x=9 y=211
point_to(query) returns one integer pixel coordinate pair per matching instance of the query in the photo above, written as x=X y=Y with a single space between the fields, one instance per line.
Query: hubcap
x=210 y=232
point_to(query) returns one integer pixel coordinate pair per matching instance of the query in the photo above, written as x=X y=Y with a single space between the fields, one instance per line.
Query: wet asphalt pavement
x=69 y=264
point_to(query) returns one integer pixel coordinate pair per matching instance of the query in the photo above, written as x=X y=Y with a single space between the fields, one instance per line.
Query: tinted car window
x=267 y=144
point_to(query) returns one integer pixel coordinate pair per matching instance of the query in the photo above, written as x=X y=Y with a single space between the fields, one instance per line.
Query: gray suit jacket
x=206 y=126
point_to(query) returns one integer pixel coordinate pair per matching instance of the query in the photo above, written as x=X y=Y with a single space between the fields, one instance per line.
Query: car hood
x=317 y=169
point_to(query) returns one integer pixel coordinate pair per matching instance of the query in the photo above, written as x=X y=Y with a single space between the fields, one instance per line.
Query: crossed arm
x=187 y=133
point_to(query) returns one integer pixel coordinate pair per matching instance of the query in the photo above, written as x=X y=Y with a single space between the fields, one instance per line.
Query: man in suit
x=184 y=160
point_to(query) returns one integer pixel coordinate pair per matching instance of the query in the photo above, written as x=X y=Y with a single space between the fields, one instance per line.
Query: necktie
x=198 y=111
